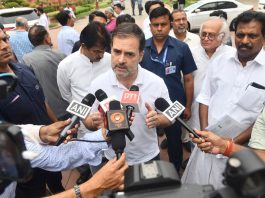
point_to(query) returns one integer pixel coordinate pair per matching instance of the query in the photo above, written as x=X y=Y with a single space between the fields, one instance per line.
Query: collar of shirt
x=150 y=44
x=138 y=81
x=43 y=47
x=258 y=60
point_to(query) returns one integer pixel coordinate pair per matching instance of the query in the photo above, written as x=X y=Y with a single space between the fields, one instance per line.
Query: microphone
x=78 y=110
x=103 y=100
x=130 y=99
x=173 y=112
x=117 y=125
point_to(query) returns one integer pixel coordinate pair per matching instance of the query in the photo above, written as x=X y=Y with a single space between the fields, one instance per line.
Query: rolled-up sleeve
x=70 y=155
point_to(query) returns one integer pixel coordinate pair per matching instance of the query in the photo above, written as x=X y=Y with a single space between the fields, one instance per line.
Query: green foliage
x=11 y=4
x=81 y=9
x=49 y=9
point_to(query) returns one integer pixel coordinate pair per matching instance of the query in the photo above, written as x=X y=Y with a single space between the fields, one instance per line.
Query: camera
x=13 y=167
x=244 y=176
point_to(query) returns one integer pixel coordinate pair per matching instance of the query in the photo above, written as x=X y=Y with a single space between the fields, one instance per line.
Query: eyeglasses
x=210 y=36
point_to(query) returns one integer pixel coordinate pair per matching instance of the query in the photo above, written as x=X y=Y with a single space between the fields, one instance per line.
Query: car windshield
x=192 y=6
x=10 y=17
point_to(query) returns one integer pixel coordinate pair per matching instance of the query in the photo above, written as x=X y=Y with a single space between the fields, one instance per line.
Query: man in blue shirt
x=170 y=59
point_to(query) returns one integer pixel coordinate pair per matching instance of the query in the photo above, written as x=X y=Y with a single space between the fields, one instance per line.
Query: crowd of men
x=221 y=87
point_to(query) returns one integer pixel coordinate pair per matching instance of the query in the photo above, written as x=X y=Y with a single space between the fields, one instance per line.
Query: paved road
x=81 y=23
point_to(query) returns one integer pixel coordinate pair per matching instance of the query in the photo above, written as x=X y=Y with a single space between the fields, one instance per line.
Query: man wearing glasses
x=213 y=34
x=232 y=96
x=169 y=58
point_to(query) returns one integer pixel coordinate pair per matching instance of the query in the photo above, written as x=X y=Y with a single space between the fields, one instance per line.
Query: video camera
x=13 y=167
x=244 y=176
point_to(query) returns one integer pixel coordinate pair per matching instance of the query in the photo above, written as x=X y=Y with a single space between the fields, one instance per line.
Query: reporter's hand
x=94 y=121
x=210 y=142
x=50 y=133
x=111 y=175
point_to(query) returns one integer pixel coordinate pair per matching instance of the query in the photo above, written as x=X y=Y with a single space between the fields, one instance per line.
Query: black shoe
x=83 y=178
x=163 y=144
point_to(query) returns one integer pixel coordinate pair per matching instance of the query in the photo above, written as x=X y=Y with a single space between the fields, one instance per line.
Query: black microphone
x=173 y=113
x=117 y=126
x=78 y=109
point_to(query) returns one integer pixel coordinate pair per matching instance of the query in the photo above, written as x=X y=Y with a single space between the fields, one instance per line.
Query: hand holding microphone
x=173 y=112
x=78 y=110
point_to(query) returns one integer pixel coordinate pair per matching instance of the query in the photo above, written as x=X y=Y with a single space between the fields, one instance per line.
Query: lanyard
x=157 y=60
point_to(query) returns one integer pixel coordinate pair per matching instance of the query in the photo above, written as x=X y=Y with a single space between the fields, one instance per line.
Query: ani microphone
x=78 y=110
x=173 y=112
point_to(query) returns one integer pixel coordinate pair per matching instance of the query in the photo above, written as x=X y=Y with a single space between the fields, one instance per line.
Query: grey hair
x=225 y=29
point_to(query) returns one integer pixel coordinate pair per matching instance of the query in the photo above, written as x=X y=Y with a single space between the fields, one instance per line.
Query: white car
x=8 y=17
x=261 y=6
x=199 y=12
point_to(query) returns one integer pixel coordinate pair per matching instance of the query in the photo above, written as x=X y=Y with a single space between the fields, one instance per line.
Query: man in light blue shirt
x=19 y=40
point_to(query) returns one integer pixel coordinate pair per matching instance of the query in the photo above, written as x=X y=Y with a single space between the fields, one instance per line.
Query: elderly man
x=179 y=29
x=44 y=61
x=213 y=34
x=232 y=97
x=168 y=58
x=127 y=51
x=19 y=40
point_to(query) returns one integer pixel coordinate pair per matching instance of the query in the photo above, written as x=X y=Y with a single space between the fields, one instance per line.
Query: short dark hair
x=125 y=30
x=63 y=16
x=96 y=13
x=40 y=9
x=124 y=18
x=94 y=34
x=160 y=11
x=37 y=34
x=219 y=13
x=148 y=4
x=118 y=5
x=249 y=16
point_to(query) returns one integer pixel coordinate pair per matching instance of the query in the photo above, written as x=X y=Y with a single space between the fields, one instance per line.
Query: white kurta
x=226 y=91
x=202 y=61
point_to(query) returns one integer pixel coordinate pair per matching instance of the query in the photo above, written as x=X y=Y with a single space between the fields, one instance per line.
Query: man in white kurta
x=203 y=54
x=230 y=101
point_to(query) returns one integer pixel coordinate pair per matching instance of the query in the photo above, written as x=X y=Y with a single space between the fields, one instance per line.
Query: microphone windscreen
x=161 y=104
x=89 y=99
x=100 y=95
x=114 y=105
x=134 y=88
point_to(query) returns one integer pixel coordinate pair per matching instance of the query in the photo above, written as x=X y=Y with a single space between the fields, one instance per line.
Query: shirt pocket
x=253 y=99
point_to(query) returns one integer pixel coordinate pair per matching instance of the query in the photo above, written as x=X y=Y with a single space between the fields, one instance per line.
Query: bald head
x=21 y=23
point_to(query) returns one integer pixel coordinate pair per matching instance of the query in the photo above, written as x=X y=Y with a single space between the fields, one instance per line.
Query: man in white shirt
x=118 y=9
x=210 y=47
x=179 y=29
x=43 y=20
x=231 y=97
x=77 y=71
x=67 y=35
x=127 y=51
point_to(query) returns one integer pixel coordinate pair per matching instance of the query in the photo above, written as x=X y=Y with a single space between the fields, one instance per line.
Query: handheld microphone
x=79 y=110
x=173 y=112
x=130 y=99
x=117 y=125
x=103 y=100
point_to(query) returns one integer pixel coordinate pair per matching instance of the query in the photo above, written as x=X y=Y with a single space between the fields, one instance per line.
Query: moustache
x=244 y=46
x=5 y=52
